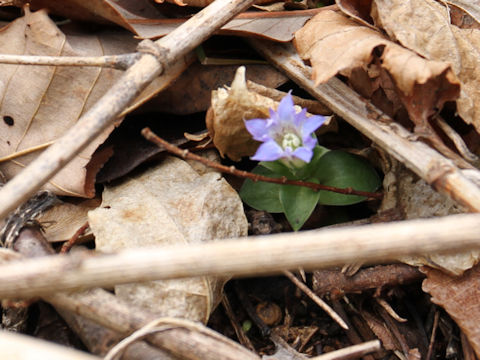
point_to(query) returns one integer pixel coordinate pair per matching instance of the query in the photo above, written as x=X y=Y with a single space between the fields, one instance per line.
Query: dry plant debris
x=403 y=73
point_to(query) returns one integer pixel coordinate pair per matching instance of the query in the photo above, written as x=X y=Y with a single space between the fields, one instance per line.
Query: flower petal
x=309 y=142
x=300 y=118
x=268 y=151
x=311 y=124
x=303 y=154
x=258 y=128
x=286 y=109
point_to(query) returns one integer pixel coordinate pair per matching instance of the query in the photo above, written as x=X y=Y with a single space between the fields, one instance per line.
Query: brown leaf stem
x=185 y=154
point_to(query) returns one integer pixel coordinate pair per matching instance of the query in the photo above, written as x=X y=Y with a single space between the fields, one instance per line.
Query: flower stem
x=185 y=154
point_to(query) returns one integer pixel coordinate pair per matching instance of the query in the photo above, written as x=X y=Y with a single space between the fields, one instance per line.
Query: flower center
x=291 y=141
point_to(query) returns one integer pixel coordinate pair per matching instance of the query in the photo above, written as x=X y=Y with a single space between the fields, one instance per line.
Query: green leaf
x=298 y=203
x=277 y=167
x=343 y=170
x=308 y=169
x=262 y=195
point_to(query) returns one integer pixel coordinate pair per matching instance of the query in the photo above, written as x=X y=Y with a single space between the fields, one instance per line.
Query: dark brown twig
x=185 y=154
x=337 y=284
x=73 y=240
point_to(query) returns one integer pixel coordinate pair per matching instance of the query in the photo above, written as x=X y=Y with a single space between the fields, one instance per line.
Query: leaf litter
x=415 y=60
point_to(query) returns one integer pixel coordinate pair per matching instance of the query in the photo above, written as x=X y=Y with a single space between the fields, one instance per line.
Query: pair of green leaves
x=334 y=168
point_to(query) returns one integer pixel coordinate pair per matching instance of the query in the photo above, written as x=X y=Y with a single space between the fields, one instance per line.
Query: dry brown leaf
x=459 y=296
x=39 y=103
x=169 y=204
x=424 y=26
x=357 y=9
x=276 y=26
x=335 y=44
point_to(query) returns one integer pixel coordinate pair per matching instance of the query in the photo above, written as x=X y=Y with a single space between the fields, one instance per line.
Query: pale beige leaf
x=459 y=296
x=39 y=103
x=169 y=204
x=424 y=27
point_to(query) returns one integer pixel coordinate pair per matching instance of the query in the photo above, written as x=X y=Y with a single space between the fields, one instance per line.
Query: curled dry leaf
x=39 y=103
x=458 y=295
x=230 y=108
x=169 y=204
x=335 y=44
x=424 y=26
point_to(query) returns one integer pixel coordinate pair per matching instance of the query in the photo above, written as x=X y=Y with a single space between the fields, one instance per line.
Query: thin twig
x=351 y=352
x=121 y=62
x=388 y=308
x=26 y=151
x=316 y=299
x=432 y=337
x=242 y=337
x=185 y=154
x=72 y=241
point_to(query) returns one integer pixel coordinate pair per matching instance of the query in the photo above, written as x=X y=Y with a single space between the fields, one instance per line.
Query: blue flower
x=286 y=135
